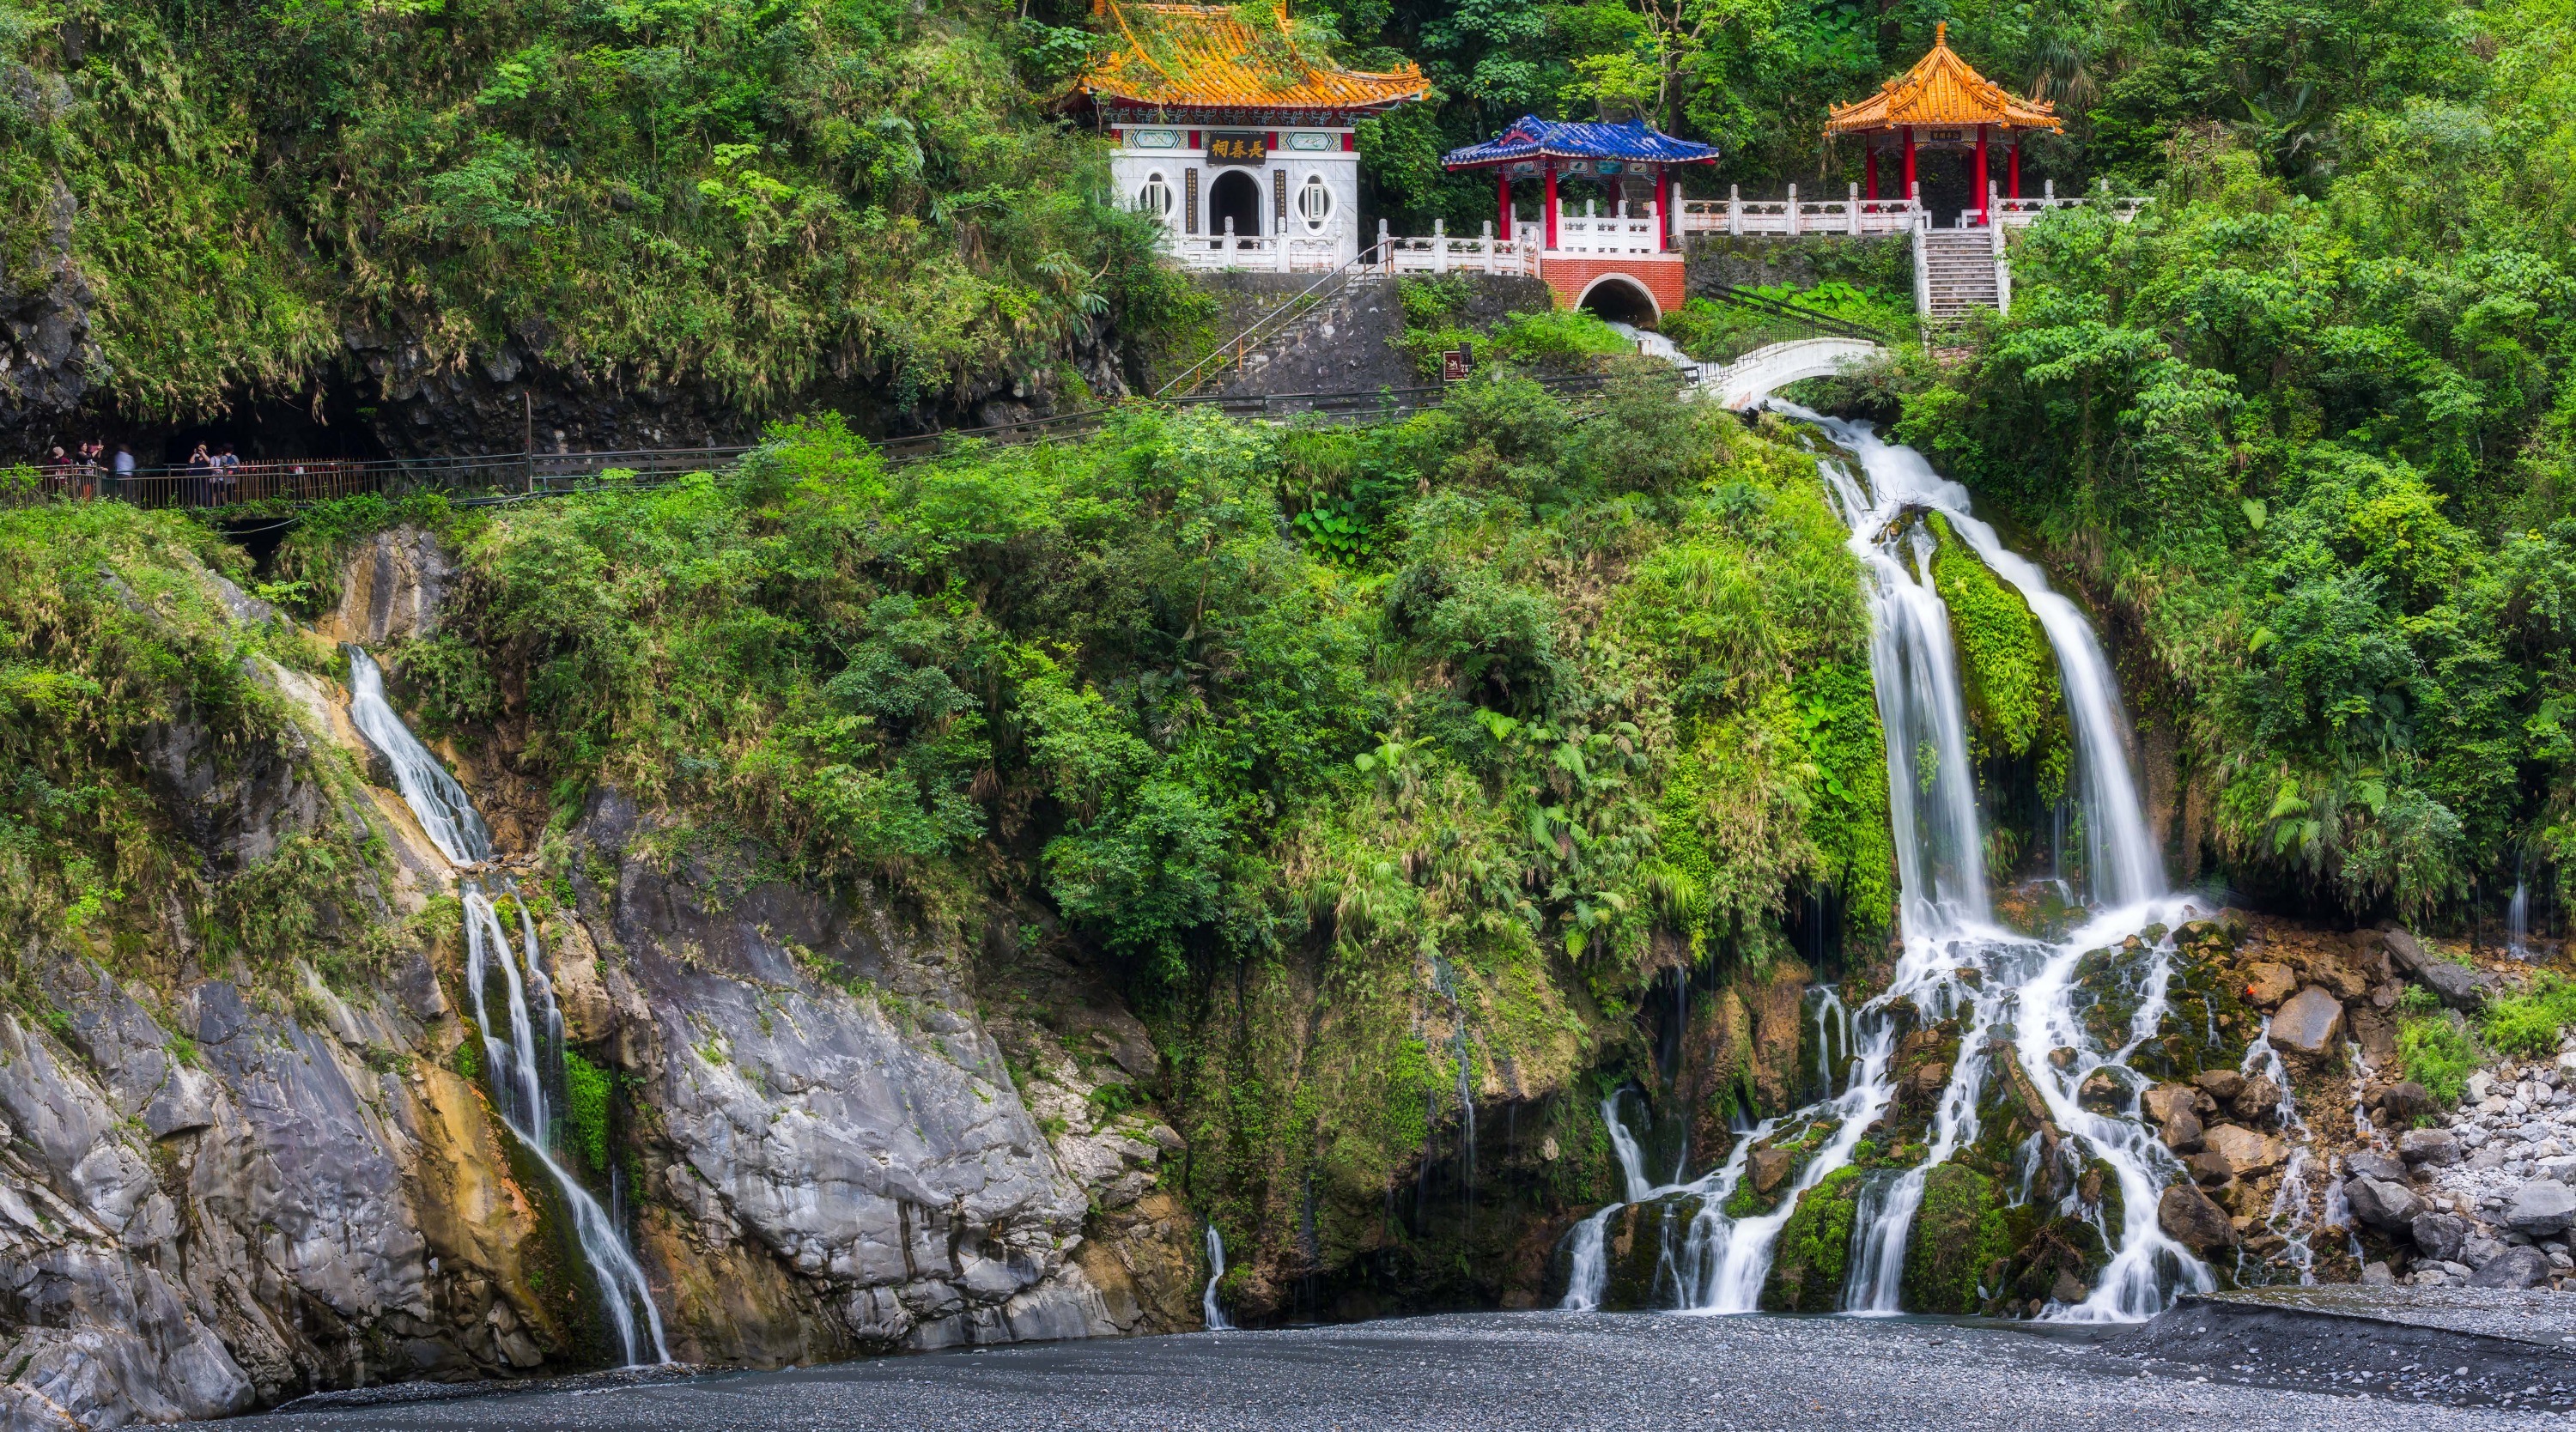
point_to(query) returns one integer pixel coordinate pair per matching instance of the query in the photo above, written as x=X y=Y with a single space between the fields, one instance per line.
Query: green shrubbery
x=754 y=197
x=1565 y=670
x=2308 y=440
x=2528 y=1025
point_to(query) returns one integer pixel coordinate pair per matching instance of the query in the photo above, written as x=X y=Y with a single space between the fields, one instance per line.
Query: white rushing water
x=1214 y=1315
x=433 y=795
x=1955 y=961
x=520 y=1060
x=2517 y=921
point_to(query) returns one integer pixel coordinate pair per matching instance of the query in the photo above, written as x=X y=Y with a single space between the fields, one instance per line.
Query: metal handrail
x=186 y=487
x=1844 y=327
x=1368 y=258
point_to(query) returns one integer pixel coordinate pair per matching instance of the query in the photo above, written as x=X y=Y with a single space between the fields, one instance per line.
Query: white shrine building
x=1231 y=134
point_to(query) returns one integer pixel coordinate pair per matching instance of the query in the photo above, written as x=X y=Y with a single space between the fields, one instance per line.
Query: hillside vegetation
x=2305 y=426
x=750 y=198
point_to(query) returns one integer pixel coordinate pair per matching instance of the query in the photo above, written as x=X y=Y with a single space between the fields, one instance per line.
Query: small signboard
x=1458 y=363
x=1249 y=149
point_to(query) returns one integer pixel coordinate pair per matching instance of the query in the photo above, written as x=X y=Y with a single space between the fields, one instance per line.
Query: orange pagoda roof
x=1207 y=57
x=1941 y=90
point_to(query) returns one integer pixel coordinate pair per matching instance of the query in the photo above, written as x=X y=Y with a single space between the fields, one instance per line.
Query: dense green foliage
x=1558 y=675
x=2304 y=425
x=2285 y=79
x=123 y=676
x=760 y=198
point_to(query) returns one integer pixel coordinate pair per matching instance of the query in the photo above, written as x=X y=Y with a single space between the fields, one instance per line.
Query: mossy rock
x=1959 y=1233
x=1808 y=1265
x=1635 y=1243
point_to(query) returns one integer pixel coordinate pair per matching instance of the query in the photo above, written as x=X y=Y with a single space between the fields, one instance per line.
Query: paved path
x=1485 y=1372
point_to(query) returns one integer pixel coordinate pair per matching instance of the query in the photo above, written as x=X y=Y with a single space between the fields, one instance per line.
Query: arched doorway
x=1235 y=195
x=1617 y=298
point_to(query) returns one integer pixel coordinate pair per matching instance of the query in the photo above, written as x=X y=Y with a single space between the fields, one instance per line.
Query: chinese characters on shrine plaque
x=1225 y=148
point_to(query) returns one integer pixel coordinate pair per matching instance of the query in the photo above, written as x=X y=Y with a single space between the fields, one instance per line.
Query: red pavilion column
x=2013 y=184
x=1982 y=216
x=1551 y=203
x=1909 y=161
x=1871 y=153
x=1663 y=208
x=1503 y=200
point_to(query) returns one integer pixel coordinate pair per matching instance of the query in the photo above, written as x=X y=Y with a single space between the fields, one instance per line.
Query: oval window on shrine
x=1315 y=202
x=1156 y=197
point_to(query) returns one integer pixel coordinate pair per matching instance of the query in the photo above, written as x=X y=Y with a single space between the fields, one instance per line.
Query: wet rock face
x=391 y=589
x=825 y=1099
x=47 y=360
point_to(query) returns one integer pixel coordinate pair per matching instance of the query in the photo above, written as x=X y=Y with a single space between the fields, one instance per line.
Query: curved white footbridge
x=1751 y=378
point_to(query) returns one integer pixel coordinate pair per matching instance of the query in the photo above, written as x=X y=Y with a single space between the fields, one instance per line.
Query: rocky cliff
x=226 y=1181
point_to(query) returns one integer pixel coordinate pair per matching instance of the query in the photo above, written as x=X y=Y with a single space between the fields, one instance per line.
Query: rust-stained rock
x=2267 y=984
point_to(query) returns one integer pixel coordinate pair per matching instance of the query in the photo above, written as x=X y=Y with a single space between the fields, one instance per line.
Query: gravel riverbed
x=1492 y=1372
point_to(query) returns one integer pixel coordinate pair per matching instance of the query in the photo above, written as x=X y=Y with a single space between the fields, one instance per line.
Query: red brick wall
x=1660 y=274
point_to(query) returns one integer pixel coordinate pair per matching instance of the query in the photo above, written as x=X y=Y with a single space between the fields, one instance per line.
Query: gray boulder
x=2390 y=1207
x=2428 y=1146
x=2371 y=1163
x=2542 y=1207
x=2439 y=1235
x=2189 y=1218
x=2404 y=1103
x=2403 y=952
x=2513 y=1268
x=2310 y=1026
x=2378 y=1276
x=2456 y=986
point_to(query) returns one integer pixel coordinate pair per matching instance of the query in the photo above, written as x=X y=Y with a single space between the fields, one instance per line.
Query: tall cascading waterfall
x=534 y=1044
x=1955 y=961
x=1213 y=1315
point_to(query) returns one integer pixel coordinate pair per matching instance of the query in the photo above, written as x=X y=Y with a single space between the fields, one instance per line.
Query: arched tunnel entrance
x=1616 y=298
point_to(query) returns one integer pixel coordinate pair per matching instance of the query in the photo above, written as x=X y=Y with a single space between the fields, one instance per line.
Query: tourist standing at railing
x=200 y=488
x=123 y=467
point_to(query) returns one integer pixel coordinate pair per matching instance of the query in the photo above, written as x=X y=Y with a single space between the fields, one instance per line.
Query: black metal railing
x=481 y=478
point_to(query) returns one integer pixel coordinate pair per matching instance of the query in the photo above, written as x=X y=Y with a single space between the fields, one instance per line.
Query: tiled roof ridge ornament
x=1941 y=89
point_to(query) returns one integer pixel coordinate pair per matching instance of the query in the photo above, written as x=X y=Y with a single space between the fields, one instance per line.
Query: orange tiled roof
x=1205 y=56
x=1942 y=90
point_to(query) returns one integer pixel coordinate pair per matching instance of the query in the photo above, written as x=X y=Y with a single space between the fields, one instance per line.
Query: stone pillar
x=1984 y=186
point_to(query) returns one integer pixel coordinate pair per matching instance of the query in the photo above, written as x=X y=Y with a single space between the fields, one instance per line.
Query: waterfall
x=433 y=794
x=1954 y=962
x=520 y=1063
x=2288 y=1215
x=1214 y=1315
x=2517 y=920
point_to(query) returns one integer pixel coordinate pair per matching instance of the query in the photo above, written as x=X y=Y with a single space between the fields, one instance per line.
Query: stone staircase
x=1959 y=272
x=1340 y=342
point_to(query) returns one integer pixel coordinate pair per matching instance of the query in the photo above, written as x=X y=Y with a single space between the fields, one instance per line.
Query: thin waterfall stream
x=1210 y=1313
x=2013 y=994
x=520 y=1063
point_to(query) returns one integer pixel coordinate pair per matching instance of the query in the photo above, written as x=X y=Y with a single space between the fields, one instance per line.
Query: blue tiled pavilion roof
x=1531 y=137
